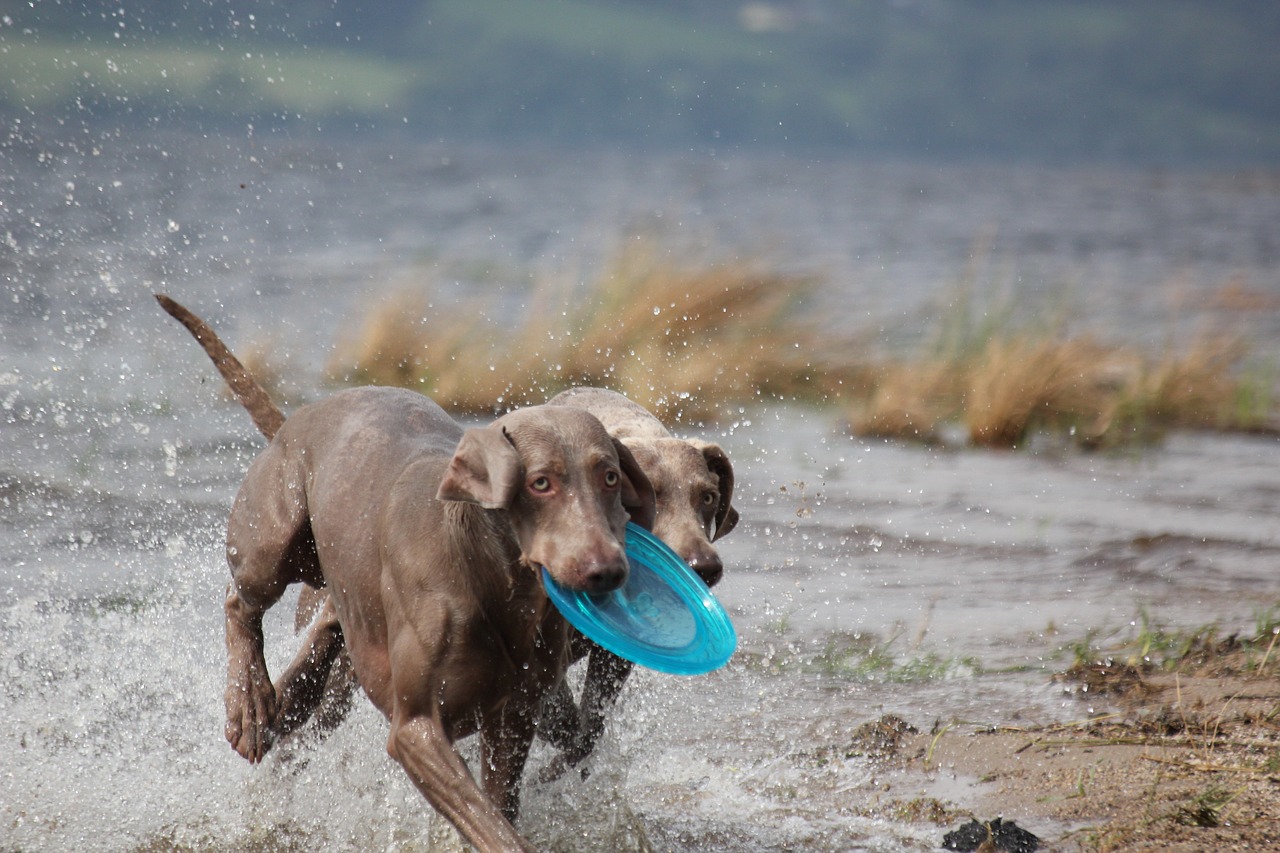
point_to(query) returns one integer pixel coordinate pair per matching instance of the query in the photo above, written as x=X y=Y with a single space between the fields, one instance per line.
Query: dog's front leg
x=505 y=738
x=606 y=673
x=420 y=745
x=558 y=717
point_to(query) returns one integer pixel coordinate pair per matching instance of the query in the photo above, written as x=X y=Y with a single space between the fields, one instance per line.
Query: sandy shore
x=1180 y=763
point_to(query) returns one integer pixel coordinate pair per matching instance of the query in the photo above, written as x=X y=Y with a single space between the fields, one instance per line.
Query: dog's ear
x=485 y=469
x=638 y=497
x=718 y=463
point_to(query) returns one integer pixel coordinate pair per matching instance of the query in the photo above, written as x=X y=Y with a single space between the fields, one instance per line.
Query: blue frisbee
x=664 y=617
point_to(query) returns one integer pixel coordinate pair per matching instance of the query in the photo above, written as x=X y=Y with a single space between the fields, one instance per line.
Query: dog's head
x=566 y=486
x=693 y=486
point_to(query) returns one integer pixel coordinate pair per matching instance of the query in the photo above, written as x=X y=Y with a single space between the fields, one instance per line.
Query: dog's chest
x=536 y=641
x=519 y=651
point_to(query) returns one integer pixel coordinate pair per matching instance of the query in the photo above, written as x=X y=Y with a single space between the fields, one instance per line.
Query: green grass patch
x=1167 y=81
x=860 y=657
x=1149 y=646
x=237 y=80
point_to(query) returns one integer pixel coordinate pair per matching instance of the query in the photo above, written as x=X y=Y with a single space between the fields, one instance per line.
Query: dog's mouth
x=596 y=586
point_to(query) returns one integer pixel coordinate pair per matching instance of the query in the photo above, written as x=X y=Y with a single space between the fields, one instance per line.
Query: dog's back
x=622 y=417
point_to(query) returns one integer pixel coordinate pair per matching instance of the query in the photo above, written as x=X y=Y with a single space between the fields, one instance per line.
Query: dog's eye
x=710 y=499
x=542 y=485
x=611 y=478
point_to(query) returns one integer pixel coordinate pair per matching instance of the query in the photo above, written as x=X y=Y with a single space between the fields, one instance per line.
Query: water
x=119 y=457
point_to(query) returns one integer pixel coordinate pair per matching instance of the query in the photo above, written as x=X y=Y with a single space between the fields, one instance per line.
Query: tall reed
x=681 y=340
x=1100 y=394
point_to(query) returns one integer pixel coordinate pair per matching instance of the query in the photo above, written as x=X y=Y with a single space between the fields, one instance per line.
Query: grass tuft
x=860 y=657
x=1199 y=651
x=1099 y=394
x=682 y=341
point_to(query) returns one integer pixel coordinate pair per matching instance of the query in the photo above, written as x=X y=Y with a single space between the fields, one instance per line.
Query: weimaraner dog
x=693 y=482
x=429 y=540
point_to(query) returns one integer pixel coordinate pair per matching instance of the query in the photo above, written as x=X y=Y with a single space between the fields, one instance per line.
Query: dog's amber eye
x=611 y=478
x=542 y=485
x=709 y=499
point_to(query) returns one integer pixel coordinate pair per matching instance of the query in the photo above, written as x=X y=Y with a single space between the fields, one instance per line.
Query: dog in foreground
x=428 y=539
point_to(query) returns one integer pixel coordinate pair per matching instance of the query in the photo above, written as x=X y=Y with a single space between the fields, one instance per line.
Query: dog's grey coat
x=428 y=540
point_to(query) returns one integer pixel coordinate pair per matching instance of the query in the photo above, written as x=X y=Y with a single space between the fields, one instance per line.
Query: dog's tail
x=266 y=415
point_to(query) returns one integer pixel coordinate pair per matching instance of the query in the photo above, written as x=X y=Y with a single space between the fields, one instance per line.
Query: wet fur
x=426 y=536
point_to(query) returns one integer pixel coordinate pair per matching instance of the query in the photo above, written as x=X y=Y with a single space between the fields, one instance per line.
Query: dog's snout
x=707 y=565
x=604 y=575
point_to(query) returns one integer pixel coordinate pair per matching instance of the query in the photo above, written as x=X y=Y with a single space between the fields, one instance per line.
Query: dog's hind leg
x=269 y=546
x=339 y=693
x=304 y=686
x=333 y=679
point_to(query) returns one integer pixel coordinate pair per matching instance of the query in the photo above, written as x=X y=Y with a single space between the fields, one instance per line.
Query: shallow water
x=865 y=578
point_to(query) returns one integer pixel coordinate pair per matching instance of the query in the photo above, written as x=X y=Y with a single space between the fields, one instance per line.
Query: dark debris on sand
x=992 y=836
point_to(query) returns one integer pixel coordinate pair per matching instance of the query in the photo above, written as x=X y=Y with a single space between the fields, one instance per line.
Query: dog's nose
x=707 y=565
x=601 y=576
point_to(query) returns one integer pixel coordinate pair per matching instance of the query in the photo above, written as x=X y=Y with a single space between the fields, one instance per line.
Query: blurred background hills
x=1155 y=81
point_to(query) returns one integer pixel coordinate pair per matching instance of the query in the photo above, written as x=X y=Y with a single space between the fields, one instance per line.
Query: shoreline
x=1177 y=763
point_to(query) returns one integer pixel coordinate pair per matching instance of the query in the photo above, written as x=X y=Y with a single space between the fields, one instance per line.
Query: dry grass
x=693 y=341
x=683 y=341
x=1099 y=393
x=1005 y=375
x=910 y=401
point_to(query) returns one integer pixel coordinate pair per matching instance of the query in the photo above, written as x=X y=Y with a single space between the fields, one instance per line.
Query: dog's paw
x=251 y=712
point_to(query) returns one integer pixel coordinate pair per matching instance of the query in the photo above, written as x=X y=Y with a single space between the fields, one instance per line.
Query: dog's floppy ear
x=485 y=469
x=718 y=463
x=638 y=497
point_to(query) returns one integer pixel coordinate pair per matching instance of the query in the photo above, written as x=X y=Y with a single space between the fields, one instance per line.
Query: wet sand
x=1175 y=763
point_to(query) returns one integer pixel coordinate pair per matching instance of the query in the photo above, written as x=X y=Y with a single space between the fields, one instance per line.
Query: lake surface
x=866 y=577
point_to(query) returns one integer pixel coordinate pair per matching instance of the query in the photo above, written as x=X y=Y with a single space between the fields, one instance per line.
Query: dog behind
x=693 y=485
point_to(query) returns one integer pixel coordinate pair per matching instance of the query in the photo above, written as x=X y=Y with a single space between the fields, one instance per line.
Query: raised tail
x=266 y=415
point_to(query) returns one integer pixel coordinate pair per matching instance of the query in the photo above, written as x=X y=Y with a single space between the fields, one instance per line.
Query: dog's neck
x=482 y=541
